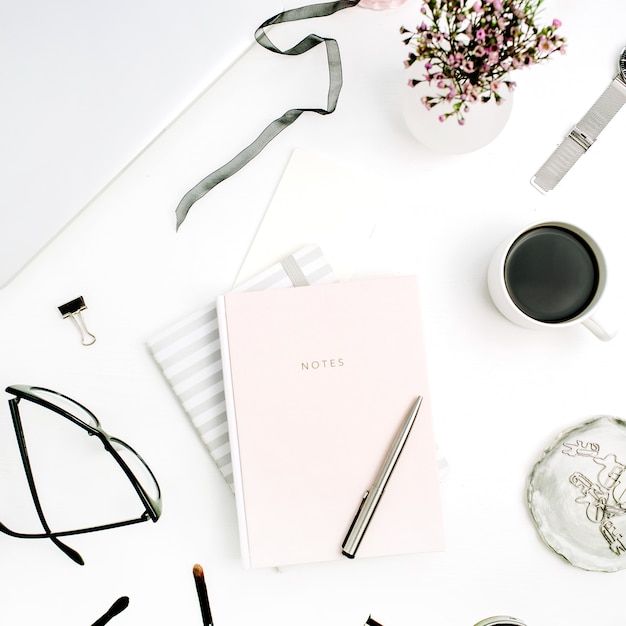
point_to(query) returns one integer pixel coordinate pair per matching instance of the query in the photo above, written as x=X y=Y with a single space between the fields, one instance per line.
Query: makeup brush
x=205 y=609
x=116 y=608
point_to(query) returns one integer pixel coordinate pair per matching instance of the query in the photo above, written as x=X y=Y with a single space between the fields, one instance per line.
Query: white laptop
x=86 y=85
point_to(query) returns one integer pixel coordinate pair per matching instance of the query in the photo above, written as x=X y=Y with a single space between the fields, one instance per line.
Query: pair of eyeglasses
x=133 y=466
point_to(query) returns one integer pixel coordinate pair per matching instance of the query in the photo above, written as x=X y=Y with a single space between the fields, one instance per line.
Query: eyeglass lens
x=67 y=404
x=79 y=483
x=138 y=467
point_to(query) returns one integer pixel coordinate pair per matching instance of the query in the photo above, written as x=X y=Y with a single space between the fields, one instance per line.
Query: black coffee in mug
x=551 y=274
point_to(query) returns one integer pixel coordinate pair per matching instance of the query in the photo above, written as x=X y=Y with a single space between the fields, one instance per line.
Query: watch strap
x=581 y=137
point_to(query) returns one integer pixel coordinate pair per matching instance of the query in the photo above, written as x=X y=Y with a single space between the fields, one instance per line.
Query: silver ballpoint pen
x=372 y=497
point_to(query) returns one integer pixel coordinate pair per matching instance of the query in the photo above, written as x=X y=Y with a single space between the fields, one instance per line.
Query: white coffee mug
x=550 y=274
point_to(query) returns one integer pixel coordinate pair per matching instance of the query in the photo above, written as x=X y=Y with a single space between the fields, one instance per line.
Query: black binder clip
x=73 y=309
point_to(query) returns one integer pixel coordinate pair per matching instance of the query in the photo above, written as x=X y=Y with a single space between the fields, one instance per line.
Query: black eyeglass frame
x=153 y=506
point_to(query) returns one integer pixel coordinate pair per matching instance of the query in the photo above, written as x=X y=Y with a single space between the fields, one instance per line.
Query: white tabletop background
x=500 y=393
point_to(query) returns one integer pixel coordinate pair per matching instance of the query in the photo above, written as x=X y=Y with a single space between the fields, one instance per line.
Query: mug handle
x=602 y=330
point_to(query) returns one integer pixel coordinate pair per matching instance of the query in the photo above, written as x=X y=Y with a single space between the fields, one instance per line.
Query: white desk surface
x=500 y=393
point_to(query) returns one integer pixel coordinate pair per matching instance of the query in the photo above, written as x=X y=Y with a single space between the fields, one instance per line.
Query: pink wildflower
x=451 y=94
x=493 y=57
x=474 y=45
x=545 y=45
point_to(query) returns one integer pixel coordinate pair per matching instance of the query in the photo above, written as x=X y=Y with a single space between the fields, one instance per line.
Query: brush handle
x=116 y=608
x=203 y=597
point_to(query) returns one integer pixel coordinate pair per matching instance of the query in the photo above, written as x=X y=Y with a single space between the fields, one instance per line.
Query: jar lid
x=500 y=620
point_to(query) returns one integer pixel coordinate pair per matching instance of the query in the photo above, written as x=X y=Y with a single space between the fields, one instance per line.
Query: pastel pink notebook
x=318 y=381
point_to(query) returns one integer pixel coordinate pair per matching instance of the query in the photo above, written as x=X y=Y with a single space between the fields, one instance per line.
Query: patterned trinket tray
x=577 y=494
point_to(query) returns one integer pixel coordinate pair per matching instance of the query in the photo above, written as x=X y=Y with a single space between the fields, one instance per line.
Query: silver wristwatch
x=582 y=136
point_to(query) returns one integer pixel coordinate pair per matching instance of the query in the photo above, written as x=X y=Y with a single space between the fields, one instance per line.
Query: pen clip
x=356 y=516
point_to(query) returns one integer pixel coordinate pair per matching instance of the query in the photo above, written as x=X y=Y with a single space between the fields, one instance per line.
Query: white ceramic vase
x=483 y=122
x=380 y=5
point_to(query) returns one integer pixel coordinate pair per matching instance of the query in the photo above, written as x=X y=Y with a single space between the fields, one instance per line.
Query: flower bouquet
x=470 y=47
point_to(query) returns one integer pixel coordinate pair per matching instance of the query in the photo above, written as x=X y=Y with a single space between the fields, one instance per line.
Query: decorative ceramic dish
x=577 y=494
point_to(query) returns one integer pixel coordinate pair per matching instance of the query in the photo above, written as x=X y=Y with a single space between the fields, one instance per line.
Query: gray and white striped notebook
x=188 y=352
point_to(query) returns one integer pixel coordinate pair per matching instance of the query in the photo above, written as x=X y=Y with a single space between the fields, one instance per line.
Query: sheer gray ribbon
x=289 y=117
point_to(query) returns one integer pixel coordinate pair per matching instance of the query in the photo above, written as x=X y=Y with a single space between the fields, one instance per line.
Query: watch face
x=622 y=64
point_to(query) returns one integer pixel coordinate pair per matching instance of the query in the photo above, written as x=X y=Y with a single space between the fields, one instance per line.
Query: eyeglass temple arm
x=21 y=441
